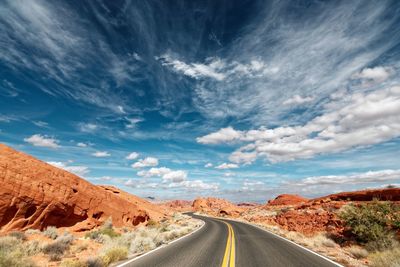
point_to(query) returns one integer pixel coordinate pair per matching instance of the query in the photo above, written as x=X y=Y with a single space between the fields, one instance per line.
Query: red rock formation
x=34 y=194
x=308 y=221
x=388 y=194
x=287 y=199
x=177 y=205
x=216 y=206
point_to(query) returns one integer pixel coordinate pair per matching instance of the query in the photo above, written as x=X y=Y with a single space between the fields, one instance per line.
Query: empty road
x=230 y=243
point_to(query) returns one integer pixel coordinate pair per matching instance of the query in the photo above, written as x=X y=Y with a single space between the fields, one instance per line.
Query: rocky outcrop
x=216 y=206
x=34 y=194
x=287 y=199
x=177 y=205
x=387 y=194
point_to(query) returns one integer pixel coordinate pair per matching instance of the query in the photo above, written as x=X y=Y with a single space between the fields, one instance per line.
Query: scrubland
x=97 y=248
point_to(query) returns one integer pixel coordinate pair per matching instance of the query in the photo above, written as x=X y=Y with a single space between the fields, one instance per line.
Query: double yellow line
x=229 y=256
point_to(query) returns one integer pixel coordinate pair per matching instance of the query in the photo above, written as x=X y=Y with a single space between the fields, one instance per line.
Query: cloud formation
x=146 y=162
x=78 y=170
x=132 y=156
x=42 y=141
x=360 y=120
x=225 y=166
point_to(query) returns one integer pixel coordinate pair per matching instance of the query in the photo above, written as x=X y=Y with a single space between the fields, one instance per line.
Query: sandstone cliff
x=34 y=194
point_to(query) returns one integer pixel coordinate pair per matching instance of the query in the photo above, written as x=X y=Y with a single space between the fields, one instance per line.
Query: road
x=230 y=243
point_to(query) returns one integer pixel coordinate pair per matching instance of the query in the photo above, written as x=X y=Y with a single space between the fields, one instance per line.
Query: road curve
x=251 y=247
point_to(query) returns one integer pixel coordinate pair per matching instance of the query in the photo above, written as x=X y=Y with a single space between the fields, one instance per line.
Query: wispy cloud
x=101 y=154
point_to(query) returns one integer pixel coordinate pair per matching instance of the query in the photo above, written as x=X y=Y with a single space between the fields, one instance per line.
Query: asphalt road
x=245 y=245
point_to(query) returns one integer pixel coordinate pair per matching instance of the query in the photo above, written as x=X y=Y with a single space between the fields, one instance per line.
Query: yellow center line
x=229 y=255
x=232 y=260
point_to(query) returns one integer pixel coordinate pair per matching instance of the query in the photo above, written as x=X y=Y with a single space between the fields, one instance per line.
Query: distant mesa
x=34 y=194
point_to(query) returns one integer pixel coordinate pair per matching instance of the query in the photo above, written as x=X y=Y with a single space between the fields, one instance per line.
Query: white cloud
x=361 y=119
x=42 y=141
x=225 y=166
x=222 y=136
x=298 y=100
x=381 y=176
x=88 y=127
x=154 y=172
x=147 y=162
x=198 y=185
x=41 y=124
x=377 y=74
x=80 y=144
x=194 y=70
x=101 y=154
x=208 y=165
x=175 y=176
x=132 y=122
x=78 y=170
x=132 y=156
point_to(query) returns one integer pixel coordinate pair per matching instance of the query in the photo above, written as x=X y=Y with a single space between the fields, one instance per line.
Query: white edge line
x=290 y=241
x=162 y=246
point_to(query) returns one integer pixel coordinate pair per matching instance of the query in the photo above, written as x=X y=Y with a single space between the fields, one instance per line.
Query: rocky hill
x=34 y=194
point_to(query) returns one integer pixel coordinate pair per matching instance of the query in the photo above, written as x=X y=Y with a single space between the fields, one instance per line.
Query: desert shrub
x=19 y=235
x=152 y=223
x=9 y=243
x=51 y=232
x=115 y=254
x=107 y=224
x=371 y=223
x=94 y=262
x=32 y=248
x=73 y=263
x=358 y=252
x=388 y=258
x=56 y=249
x=66 y=238
x=32 y=232
x=80 y=248
x=12 y=253
x=97 y=234
x=15 y=260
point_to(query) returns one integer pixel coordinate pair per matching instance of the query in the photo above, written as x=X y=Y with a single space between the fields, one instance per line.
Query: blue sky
x=178 y=99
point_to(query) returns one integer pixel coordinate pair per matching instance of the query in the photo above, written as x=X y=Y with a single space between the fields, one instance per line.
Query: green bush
x=96 y=234
x=371 y=223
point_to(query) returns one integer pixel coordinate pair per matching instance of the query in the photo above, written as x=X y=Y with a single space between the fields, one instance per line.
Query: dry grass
x=389 y=258
x=358 y=252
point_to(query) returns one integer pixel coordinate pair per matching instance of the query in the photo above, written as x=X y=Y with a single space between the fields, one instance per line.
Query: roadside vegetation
x=370 y=235
x=97 y=248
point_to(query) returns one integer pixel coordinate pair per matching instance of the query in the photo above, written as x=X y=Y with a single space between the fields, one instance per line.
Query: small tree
x=371 y=223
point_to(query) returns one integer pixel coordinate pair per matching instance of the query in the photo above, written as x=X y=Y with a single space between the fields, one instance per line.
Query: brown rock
x=34 y=194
